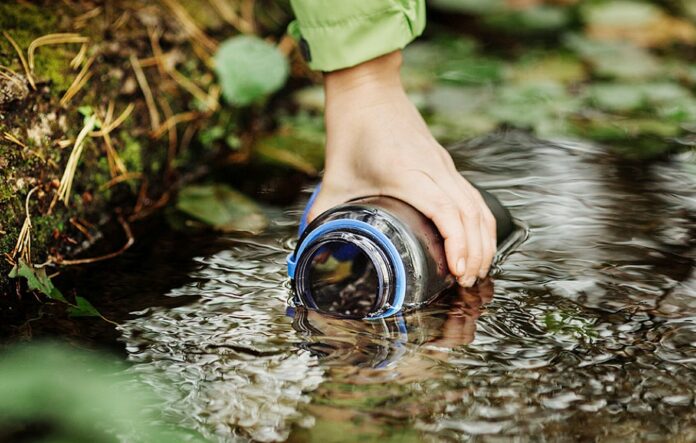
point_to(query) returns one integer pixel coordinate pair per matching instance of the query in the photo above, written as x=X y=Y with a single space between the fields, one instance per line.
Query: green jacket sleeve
x=337 y=34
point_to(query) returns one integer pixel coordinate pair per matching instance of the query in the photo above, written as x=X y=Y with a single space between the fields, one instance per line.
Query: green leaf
x=249 y=69
x=37 y=280
x=222 y=207
x=83 y=308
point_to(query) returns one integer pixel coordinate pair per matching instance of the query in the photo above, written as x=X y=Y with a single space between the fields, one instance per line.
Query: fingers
x=486 y=224
x=426 y=196
x=458 y=215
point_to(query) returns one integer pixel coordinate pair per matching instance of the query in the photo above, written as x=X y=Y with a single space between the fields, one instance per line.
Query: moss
x=131 y=153
x=25 y=22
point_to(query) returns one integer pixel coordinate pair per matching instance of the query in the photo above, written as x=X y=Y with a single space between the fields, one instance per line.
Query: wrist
x=379 y=75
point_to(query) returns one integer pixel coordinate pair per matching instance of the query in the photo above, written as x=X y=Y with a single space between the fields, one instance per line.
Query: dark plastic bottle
x=373 y=257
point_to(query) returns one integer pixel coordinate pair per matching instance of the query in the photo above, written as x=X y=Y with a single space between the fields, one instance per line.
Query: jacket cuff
x=344 y=41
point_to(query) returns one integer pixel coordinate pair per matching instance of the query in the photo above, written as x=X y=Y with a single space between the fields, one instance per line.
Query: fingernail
x=461 y=267
x=466 y=282
x=483 y=273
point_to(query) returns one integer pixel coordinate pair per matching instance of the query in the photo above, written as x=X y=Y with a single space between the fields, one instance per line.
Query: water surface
x=587 y=331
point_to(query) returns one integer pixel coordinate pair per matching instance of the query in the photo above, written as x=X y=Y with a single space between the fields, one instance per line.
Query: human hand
x=378 y=144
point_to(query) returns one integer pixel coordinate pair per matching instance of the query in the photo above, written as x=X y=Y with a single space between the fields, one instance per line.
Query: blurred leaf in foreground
x=222 y=207
x=249 y=69
x=53 y=393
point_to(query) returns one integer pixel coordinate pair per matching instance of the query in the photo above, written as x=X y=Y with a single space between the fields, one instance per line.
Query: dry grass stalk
x=193 y=89
x=228 y=13
x=66 y=181
x=108 y=125
x=203 y=55
x=12 y=76
x=22 y=60
x=116 y=165
x=52 y=39
x=173 y=136
x=79 y=81
x=81 y=20
x=121 y=20
x=175 y=120
x=10 y=137
x=147 y=92
x=79 y=58
x=248 y=13
x=156 y=50
x=121 y=178
x=23 y=246
x=190 y=25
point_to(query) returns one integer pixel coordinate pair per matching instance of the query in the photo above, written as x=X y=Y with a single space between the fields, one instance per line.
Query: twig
x=145 y=87
x=83 y=261
x=65 y=185
x=22 y=60
x=190 y=26
x=52 y=39
x=78 y=82
x=80 y=227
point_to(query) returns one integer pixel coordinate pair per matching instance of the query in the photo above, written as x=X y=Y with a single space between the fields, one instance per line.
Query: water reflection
x=586 y=333
x=390 y=343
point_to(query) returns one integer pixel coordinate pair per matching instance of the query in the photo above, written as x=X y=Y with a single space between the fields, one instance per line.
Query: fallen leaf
x=222 y=207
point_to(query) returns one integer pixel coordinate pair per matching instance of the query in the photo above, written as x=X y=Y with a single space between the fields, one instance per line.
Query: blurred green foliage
x=55 y=393
x=249 y=69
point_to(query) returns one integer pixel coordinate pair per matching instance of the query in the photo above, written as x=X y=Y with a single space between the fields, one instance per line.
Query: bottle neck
x=345 y=273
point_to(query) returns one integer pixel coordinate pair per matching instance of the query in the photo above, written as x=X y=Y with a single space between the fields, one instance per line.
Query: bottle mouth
x=344 y=274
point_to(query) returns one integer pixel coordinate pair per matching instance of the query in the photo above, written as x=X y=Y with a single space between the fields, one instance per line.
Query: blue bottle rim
x=382 y=241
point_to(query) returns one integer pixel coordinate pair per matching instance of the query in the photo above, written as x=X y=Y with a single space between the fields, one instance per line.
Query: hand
x=378 y=144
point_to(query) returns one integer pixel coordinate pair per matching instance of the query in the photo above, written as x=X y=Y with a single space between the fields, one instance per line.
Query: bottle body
x=373 y=257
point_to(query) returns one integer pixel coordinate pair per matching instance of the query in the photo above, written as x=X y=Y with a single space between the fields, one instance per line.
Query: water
x=587 y=331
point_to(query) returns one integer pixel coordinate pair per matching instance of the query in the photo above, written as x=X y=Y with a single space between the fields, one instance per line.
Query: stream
x=585 y=331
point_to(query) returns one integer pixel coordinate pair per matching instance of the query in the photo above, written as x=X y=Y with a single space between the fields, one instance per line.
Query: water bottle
x=374 y=257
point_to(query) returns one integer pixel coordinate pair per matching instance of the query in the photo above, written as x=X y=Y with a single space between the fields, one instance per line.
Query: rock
x=13 y=87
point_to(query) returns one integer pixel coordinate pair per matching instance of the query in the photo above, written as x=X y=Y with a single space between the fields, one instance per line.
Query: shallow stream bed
x=587 y=330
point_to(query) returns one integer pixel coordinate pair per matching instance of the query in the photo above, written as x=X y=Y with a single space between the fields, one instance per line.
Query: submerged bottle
x=373 y=257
